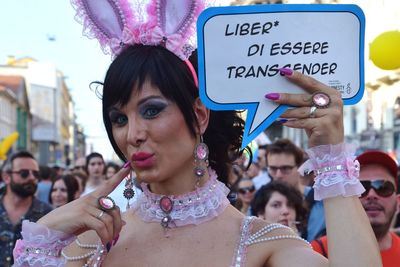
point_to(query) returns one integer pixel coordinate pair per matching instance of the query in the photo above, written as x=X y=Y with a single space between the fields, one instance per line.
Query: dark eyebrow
x=157 y=97
x=116 y=107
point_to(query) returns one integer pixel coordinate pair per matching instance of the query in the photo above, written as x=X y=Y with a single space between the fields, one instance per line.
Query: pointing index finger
x=108 y=186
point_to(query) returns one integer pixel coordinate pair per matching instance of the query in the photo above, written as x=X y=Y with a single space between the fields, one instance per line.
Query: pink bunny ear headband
x=118 y=23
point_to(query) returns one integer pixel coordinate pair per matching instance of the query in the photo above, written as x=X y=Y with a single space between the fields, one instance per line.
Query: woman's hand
x=326 y=125
x=85 y=214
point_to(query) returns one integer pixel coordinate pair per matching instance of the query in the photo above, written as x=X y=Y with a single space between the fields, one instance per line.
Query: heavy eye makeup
x=151 y=108
x=117 y=118
x=148 y=109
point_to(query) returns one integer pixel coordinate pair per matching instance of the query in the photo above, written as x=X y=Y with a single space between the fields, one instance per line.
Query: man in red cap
x=378 y=174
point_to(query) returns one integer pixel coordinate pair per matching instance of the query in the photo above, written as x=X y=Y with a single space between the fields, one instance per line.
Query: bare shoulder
x=277 y=245
x=78 y=252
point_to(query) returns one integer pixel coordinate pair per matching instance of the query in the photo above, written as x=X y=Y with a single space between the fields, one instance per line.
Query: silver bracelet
x=43 y=251
x=329 y=169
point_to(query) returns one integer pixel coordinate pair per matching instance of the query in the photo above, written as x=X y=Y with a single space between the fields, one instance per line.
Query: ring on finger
x=312 y=111
x=100 y=214
x=106 y=203
x=320 y=100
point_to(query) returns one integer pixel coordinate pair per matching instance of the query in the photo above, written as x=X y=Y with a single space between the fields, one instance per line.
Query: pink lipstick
x=142 y=160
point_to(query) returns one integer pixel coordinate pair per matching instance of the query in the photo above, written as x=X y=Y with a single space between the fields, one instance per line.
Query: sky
x=27 y=26
x=27 y=29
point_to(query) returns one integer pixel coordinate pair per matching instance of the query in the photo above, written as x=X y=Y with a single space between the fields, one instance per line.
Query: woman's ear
x=202 y=114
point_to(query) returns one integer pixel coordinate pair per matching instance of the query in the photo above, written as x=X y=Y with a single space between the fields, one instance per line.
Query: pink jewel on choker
x=193 y=208
x=166 y=206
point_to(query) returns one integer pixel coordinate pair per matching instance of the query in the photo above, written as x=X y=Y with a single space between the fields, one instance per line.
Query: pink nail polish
x=115 y=240
x=272 y=96
x=127 y=165
x=286 y=71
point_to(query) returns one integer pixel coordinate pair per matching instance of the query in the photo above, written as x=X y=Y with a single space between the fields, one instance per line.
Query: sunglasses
x=285 y=169
x=24 y=173
x=245 y=190
x=382 y=187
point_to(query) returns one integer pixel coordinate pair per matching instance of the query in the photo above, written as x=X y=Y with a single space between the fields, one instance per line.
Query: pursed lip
x=140 y=156
x=142 y=159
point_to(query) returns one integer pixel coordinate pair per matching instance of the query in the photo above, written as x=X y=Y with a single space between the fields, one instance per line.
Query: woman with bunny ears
x=181 y=153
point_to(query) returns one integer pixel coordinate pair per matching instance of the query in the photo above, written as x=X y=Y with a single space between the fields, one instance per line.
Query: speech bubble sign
x=241 y=48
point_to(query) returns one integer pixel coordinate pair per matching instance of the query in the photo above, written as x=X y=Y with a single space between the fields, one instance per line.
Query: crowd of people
x=29 y=191
x=287 y=197
x=201 y=201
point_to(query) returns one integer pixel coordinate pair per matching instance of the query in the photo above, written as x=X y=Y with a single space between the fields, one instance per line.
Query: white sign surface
x=242 y=48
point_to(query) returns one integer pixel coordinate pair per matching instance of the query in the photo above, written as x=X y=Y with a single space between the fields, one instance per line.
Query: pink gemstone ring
x=321 y=100
x=106 y=203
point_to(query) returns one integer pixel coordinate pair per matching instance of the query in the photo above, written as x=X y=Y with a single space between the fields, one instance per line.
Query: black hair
x=82 y=176
x=16 y=155
x=91 y=156
x=287 y=147
x=138 y=64
x=293 y=195
x=46 y=173
x=70 y=183
x=113 y=165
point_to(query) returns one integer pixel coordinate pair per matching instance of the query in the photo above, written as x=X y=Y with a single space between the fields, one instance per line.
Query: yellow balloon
x=384 y=51
x=6 y=144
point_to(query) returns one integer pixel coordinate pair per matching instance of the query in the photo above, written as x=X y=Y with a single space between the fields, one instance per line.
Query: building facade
x=50 y=105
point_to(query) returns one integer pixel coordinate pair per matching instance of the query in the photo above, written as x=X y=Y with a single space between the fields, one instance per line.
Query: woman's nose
x=136 y=132
x=285 y=210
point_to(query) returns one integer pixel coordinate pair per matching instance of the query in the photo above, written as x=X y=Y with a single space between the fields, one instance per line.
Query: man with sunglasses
x=379 y=176
x=18 y=203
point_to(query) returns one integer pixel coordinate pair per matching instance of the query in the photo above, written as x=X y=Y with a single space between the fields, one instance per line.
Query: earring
x=129 y=193
x=200 y=160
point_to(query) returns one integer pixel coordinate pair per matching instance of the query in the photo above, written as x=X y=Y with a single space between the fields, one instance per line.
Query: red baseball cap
x=380 y=158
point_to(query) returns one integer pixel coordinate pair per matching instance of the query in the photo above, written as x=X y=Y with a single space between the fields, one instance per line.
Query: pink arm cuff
x=336 y=171
x=40 y=246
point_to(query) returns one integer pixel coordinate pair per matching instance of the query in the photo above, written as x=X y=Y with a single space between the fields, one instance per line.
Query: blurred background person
x=80 y=165
x=253 y=170
x=81 y=177
x=279 y=202
x=18 y=202
x=95 y=168
x=378 y=175
x=245 y=190
x=47 y=175
x=283 y=160
x=58 y=169
x=64 y=189
x=262 y=177
x=2 y=184
x=111 y=169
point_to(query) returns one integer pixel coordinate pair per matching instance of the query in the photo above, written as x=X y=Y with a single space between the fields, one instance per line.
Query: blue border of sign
x=251 y=107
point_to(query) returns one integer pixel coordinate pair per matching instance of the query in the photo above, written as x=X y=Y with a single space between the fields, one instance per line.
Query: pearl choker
x=196 y=207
